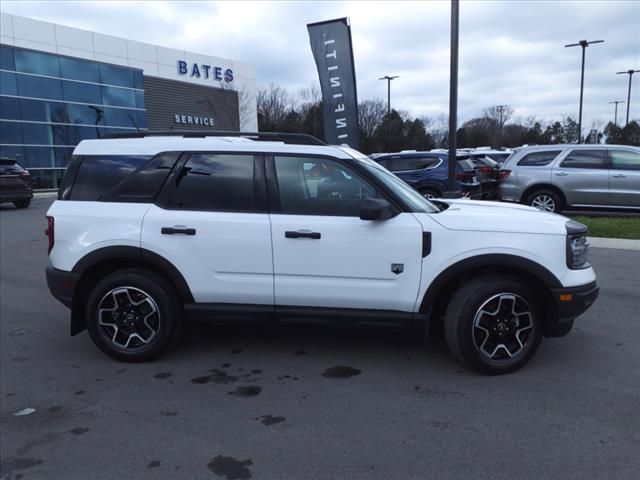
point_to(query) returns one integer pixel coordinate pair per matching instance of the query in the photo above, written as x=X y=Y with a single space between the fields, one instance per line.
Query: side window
x=385 y=163
x=585 y=159
x=99 y=174
x=624 y=160
x=402 y=164
x=310 y=186
x=222 y=183
x=538 y=159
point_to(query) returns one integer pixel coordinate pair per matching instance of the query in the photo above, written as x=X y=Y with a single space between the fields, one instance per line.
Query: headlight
x=577 y=245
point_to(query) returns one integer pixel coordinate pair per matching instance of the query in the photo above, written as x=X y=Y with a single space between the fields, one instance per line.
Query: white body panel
x=228 y=260
x=350 y=265
x=82 y=227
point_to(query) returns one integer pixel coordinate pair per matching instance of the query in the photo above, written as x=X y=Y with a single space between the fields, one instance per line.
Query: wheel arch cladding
x=104 y=261
x=540 y=280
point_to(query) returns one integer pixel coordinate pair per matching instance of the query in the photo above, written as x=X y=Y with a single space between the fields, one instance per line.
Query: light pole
x=500 y=109
x=630 y=72
x=615 y=118
x=388 y=79
x=453 y=100
x=584 y=44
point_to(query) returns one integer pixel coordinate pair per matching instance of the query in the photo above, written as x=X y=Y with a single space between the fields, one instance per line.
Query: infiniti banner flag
x=331 y=46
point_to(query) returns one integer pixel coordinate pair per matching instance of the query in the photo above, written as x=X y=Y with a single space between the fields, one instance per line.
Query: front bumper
x=62 y=284
x=570 y=302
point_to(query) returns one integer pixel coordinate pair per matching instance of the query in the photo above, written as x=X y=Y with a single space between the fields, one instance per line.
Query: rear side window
x=401 y=164
x=97 y=175
x=585 y=159
x=222 y=183
x=538 y=159
x=624 y=160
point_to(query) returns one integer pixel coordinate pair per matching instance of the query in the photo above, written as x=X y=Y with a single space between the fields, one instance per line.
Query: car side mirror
x=376 y=209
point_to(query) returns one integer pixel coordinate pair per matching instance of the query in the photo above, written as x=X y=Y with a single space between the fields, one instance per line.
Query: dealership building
x=60 y=85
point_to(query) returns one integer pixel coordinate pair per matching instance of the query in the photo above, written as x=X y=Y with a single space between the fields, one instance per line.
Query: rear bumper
x=62 y=284
x=15 y=195
x=570 y=302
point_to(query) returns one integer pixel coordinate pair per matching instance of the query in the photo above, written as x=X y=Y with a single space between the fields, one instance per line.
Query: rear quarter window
x=97 y=175
x=538 y=159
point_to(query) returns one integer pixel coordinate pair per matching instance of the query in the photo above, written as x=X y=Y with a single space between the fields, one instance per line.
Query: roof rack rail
x=292 y=138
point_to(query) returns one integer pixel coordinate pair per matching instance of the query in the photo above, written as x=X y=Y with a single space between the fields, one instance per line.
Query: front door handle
x=302 y=234
x=175 y=230
x=619 y=175
x=561 y=174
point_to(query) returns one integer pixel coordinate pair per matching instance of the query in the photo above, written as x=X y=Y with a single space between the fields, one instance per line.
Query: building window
x=39 y=63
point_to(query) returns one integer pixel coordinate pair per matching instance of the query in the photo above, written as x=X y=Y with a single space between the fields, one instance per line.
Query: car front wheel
x=133 y=315
x=493 y=324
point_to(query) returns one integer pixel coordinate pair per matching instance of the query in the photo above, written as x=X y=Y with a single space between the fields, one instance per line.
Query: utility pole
x=500 y=109
x=584 y=44
x=615 y=118
x=388 y=79
x=453 y=100
x=630 y=72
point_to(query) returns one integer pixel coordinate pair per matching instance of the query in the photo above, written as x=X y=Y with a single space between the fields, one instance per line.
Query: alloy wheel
x=503 y=327
x=544 y=202
x=129 y=318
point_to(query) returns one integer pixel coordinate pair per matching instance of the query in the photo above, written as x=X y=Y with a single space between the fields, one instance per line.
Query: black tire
x=22 y=203
x=539 y=198
x=146 y=293
x=466 y=318
x=429 y=192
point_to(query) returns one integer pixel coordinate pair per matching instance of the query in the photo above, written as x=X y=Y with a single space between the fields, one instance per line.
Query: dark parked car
x=15 y=184
x=428 y=172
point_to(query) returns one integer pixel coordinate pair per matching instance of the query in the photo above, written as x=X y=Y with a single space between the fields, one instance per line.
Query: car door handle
x=561 y=174
x=175 y=230
x=302 y=234
x=619 y=175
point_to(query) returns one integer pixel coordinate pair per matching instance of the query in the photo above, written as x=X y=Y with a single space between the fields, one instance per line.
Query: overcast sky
x=511 y=52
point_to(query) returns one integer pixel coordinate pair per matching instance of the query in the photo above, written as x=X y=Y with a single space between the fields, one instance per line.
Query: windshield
x=417 y=202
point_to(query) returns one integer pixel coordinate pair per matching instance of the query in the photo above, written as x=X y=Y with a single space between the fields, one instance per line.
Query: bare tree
x=274 y=104
x=370 y=115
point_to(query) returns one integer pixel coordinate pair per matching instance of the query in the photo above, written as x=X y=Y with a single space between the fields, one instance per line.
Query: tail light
x=465 y=177
x=50 y=232
x=485 y=169
x=25 y=173
x=503 y=174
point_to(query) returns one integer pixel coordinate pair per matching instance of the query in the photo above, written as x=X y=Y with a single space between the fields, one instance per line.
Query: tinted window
x=400 y=164
x=38 y=133
x=38 y=157
x=6 y=58
x=81 y=92
x=624 y=160
x=9 y=108
x=113 y=75
x=86 y=114
x=221 y=183
x=8 y=83
x=39 y=87
x=585 y=159
x=99 y=174
x=11 y=133
x=119 y=117
x=143 y=185
x=14 y=152
x=79 y=70
x=119 y=97
x=311 y=186
x=538 y=159
x=37 y=62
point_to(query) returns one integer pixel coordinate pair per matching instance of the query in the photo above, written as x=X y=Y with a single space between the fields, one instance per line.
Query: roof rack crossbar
x=291 y=138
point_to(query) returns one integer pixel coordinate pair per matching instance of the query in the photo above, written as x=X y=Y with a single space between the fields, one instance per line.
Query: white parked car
x=152 y=231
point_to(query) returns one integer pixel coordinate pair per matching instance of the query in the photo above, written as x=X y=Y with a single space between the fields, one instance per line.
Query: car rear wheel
x=133 y=315
x=546 y=200
x=493 y=324
x=22 y=203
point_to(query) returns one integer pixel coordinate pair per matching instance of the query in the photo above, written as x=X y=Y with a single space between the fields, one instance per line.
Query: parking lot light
x=630 y=73
x=615 y=116
x=584 y=44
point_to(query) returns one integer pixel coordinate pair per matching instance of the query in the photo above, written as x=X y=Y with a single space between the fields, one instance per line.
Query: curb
x=615 y=243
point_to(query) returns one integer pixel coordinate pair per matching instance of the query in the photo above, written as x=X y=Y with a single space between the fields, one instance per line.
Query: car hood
x=481 y=216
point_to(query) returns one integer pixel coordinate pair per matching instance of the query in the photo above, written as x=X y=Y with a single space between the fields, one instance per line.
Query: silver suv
x=554 y=177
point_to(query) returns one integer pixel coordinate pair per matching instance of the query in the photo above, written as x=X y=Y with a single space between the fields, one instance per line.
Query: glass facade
x=49 y=103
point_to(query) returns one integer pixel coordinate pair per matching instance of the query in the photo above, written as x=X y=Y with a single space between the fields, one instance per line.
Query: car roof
x=157 y=144
x=563 y=146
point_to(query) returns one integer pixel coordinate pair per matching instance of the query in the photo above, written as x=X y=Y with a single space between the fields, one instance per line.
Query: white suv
x=153 y=230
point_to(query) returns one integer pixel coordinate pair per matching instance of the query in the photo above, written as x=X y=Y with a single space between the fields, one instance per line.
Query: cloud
x=511 y=52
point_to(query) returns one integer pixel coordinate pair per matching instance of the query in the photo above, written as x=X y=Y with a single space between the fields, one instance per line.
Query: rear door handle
x=561 y=174
x=175 y=230
x=302 y=234
x=619 y=175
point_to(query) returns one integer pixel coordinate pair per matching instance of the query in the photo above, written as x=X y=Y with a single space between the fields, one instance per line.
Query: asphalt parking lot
x=271 y=404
